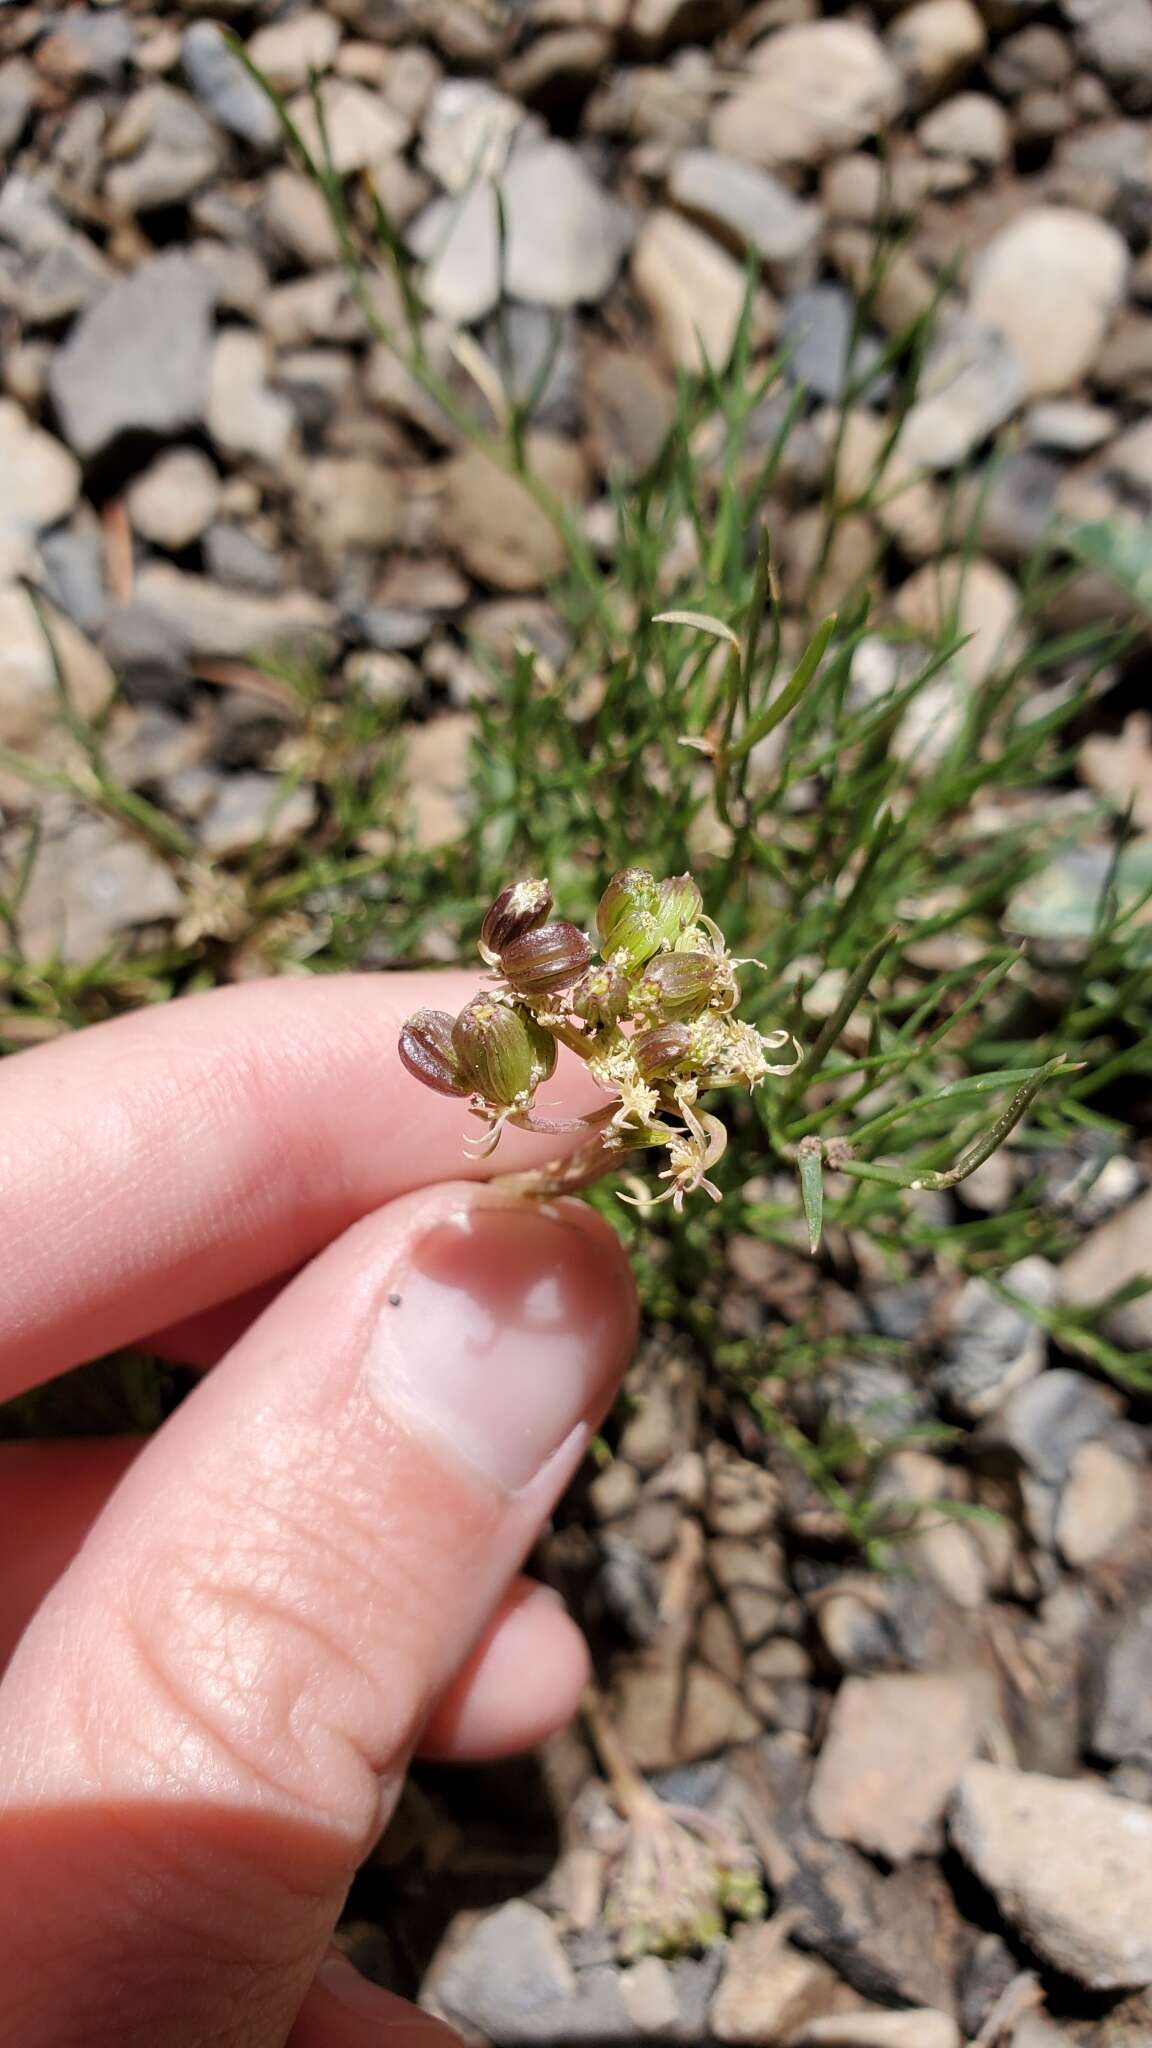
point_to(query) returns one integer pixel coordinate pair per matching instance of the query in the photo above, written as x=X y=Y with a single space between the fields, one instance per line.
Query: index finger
x=156 y=1165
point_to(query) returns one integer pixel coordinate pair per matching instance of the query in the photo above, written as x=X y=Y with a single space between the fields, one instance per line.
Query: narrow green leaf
x=792 y=692
x=810 y=1164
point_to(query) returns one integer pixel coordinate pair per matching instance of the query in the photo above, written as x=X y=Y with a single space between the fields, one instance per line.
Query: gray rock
x=224 y=88
x=993 y=1347
x=567 y=237
x=530 y=342
x=876 y=1401
x=169 y=149
x=90 y=883
x=216 y=624
x=316 y=382
x=391 y=628
x=138 y=360
x=1046 y=1421
x=1070 y=1866
x=972 y=381
x=149 y=653
x=17 y=98
x=255 y=810
x=1115 y=38
x=234 y=556
x=92 y=44
x=466 y=132
x=72 y=565
x=61 y=281
x=458 y=242
x=891 y=1937
x=816 y=330
x=750 y=208
x=509 y=1978
x=1013 y=507
x=29 y=216
x=1058 y=909
x=1122 y=1721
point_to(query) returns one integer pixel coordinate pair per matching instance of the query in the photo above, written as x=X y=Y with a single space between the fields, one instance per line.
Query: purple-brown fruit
x=544 y=961
x=662 y=1051
x=427 y=1050
x=518 y=909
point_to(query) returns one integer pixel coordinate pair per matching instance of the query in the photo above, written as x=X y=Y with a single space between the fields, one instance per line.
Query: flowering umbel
x=653 y=1019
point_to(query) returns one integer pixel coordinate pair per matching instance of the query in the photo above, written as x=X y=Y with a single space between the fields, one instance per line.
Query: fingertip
x=521 y=1683
x=346 y=2010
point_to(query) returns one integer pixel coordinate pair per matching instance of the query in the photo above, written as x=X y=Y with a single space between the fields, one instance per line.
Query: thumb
x=344 y=2010
x=207 y=1721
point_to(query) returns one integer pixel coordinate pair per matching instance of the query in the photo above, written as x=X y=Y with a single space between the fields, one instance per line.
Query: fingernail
x=505 y=1334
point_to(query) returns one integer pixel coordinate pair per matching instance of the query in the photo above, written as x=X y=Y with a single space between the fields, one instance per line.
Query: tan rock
x=1121 y=768
x=438 y=777
x=1119 y=1250
x=175 y=498
x=935 y=44
x=895 y=1749
x=971 y=125
x=362 y=129
x=41 y=478
x=288 y=52
x=767 y=1990
x=694 y=292
x=973 y=380
x=30 y=720
x=1100 y=1503
x=1070 y=1865
x=817 y=88
x=245 y=417
x=970 y=597
x=915 y=2029
x=1051 y=281
x=349 y=501
x=494 y=523
x=907 y=506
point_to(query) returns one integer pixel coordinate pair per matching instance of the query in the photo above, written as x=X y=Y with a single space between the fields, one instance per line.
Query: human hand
x=238 y=1633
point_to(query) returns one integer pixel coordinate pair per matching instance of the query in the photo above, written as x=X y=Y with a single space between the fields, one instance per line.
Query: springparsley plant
x=651 y=1012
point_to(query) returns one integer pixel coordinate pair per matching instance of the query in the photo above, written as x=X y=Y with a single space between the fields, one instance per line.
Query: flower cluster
x=650 y=1014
